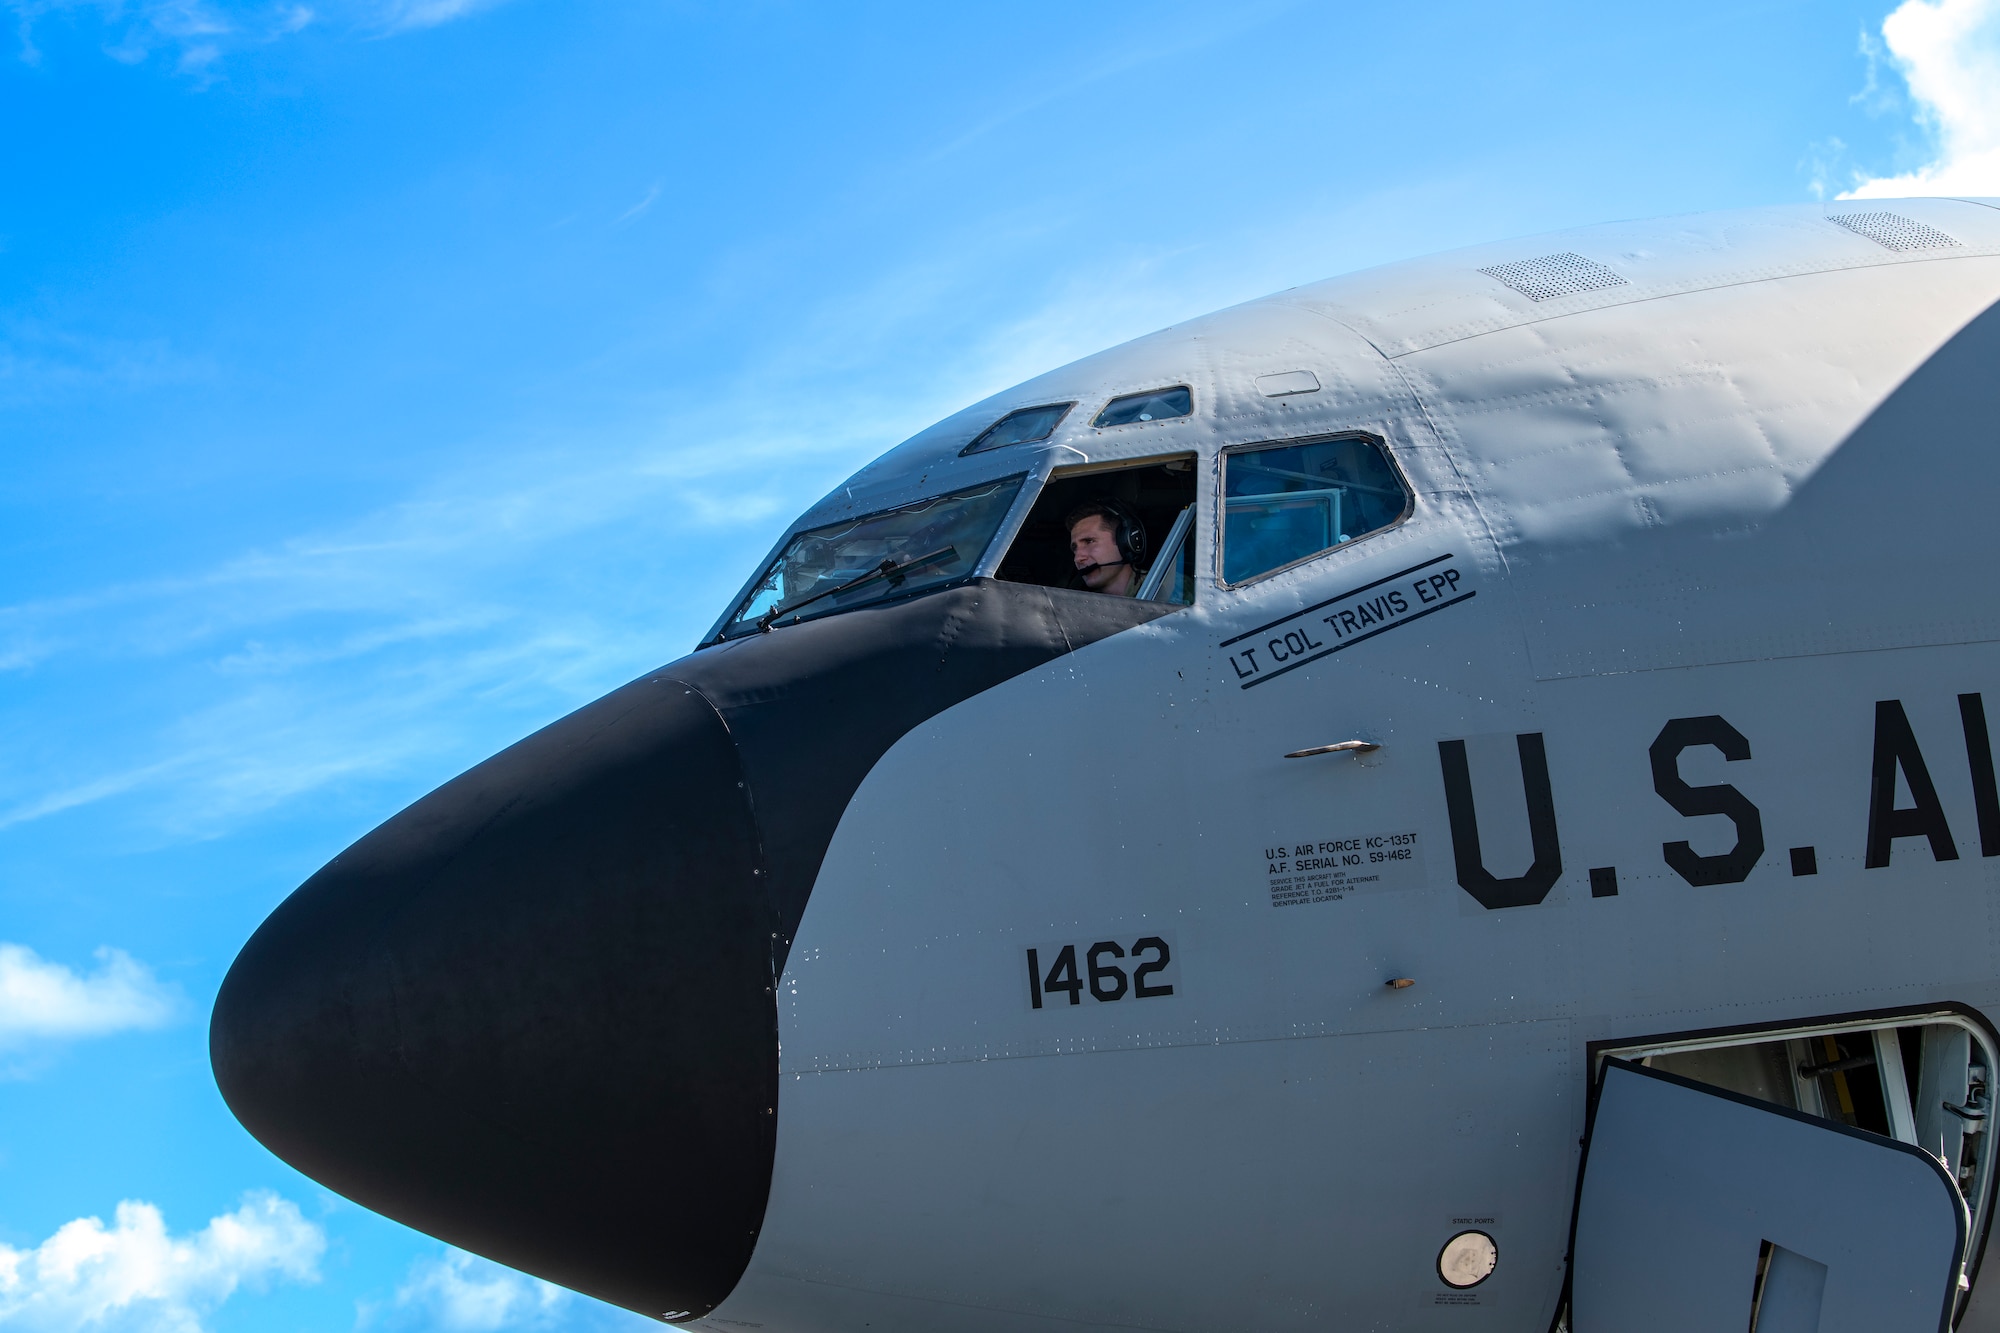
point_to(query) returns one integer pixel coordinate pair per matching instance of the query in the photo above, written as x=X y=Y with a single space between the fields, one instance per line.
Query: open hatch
x=1823 y=1175
x=1923 y=1079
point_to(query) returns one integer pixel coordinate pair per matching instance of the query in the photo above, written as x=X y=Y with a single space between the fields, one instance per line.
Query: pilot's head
x=1105 y=543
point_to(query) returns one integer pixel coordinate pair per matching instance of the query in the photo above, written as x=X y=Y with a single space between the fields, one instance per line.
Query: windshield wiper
x=888 y=569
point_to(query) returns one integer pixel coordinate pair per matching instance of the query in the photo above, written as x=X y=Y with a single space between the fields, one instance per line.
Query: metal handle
x=1340 y=747
x=1811 y=1072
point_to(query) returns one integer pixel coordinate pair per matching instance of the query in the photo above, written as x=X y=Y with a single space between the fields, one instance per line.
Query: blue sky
x=382 y=379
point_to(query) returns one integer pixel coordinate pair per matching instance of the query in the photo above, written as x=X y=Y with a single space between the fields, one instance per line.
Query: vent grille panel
x=1893 y=231
x=1551 y=276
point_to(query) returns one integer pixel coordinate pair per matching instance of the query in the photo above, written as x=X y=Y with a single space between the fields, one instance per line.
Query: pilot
x=1106 y=542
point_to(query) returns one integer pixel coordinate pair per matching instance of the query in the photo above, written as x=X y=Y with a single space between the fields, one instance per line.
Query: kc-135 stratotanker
x=1512 y=841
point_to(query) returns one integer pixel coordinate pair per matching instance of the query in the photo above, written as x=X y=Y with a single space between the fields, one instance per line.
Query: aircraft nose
x=533 y=1014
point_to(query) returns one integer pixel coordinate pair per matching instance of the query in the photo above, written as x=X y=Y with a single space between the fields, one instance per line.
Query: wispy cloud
x=651 y=197
x=40 y=362
x=404 y=15
x=134 y=1277
x=43 y=1001
x=1948 y=53
x=426 y=633
x=1160 y=45
x=196 y=35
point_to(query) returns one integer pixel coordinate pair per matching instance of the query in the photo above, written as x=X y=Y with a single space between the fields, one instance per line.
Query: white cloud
x=41 y=1001
x=1948 y=52
x=462 y=1293
x=133 y=1277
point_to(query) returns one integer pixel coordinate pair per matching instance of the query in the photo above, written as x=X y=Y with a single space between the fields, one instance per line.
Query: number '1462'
x=1098 y=969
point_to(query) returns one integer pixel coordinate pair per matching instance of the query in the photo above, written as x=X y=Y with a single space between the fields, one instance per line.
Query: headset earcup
x=1131 y=536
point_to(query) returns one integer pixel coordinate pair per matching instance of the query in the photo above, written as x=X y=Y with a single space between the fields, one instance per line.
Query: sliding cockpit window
x=858 y=561
x=1283 y=503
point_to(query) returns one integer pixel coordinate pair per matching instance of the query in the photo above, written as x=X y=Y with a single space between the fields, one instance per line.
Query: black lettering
x=1490 y=891
x=1034 y=979
x=1896 y=745
x=1397 y=600
x=1063 y=975
x=1099 y=972
x=1347 y=619
x=1422 y=589
x=1368 y=617
x=1451 y=576
x=1734 y=865
x=1240 y=672
x=1979 y=757
x=1277 y=647
x=1140 y=990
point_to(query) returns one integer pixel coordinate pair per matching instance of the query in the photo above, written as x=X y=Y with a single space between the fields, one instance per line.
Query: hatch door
x=1702 y=1211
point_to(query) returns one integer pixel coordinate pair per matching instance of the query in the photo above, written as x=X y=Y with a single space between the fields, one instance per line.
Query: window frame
x=1189 y=415
x=1055 y=470
x=1027 y=484
x=1221 y=519
x=974 y=448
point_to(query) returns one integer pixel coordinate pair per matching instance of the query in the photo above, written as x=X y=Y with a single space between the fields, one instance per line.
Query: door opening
x=1922 y=1078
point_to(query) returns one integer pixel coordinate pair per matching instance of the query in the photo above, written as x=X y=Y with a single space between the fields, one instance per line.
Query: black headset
x=1126 y=529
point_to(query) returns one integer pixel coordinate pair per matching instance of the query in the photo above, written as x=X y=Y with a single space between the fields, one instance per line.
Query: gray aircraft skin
x=1104 y=1008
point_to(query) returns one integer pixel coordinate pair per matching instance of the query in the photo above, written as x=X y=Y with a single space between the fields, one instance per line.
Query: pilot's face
x=1093 y=541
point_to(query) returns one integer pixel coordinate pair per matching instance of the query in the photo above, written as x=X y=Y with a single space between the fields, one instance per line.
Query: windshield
x=863 y=560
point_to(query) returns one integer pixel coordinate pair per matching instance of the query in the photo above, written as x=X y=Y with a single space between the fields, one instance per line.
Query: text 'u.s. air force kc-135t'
x=1459 y=797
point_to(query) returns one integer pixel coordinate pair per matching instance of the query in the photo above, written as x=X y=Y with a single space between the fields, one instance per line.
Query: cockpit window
x=1155 y=405
x=863 y=560
x=1019 y=427
x=1146 y=508
x=1283 y=503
